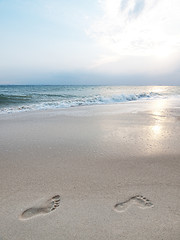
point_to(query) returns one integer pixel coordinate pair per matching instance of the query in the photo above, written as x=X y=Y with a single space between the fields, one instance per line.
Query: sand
x=97 y=172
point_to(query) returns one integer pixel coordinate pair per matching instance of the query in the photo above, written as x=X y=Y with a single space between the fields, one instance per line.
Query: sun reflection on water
x=159 y=106
x=156 y=129
x=158 y=110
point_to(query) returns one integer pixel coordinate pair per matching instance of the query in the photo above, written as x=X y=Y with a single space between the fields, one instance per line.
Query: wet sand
x=99 y=172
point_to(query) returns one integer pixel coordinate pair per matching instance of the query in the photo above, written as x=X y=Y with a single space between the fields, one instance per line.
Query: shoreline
x=121 y=107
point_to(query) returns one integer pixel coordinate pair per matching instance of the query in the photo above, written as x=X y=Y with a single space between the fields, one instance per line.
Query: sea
x=20 y=98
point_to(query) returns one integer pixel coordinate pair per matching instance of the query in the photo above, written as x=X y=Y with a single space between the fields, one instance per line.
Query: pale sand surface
x=94 y=158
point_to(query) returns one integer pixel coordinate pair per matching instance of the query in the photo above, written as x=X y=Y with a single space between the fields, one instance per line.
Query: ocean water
x=29 y=98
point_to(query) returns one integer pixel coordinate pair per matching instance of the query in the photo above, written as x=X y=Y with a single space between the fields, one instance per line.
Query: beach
x=91 y=172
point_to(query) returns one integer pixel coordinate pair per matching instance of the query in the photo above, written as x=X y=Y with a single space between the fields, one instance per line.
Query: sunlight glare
x=156 y=129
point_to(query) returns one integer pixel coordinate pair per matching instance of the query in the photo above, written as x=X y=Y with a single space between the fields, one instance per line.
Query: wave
x=129 y=97
x=16 y=103
x=13 y=99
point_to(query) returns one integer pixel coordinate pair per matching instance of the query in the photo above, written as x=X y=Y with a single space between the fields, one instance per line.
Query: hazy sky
x=90 y=42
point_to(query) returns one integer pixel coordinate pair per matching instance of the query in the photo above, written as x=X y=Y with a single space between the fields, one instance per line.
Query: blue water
x=27 y=98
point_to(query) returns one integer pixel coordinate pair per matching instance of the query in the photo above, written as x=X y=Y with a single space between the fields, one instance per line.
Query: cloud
x=137 y=8
x=139 y=28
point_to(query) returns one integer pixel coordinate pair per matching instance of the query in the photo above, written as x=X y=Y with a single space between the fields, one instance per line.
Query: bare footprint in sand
x=139 y=200
x=44 y=208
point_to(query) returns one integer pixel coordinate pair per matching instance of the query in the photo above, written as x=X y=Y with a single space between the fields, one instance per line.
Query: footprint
x=139 y=200
x=44 y=208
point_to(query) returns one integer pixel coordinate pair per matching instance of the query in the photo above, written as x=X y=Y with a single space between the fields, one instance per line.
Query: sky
x=128 y=42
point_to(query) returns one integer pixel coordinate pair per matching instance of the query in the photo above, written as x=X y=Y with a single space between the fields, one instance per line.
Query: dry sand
x=107 y=172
